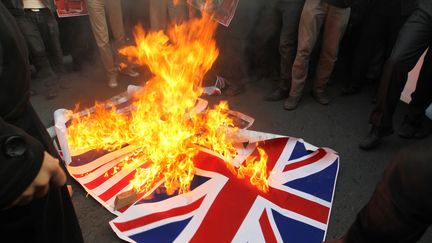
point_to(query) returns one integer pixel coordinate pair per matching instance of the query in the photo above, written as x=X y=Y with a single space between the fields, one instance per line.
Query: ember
x=160 y=123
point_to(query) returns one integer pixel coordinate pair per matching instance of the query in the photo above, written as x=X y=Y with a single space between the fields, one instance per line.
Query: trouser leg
x=413 y=39
x=334 y=29
x=311 y=21
x=96 y=9
x=158 y=14
x=291 y=12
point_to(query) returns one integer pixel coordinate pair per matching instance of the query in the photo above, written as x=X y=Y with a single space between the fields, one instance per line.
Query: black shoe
x=407 y=130
x=321 y=97
x=415 y=128
x=350 y=90
x=277 y=94
x=373 y=139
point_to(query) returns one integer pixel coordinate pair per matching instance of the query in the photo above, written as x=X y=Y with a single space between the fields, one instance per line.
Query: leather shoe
x=321 y=97
x=407 y=130
x=292 y=102
x=373 y=139
x=277 y=94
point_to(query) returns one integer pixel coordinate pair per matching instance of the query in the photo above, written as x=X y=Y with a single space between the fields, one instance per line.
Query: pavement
x=339 y=126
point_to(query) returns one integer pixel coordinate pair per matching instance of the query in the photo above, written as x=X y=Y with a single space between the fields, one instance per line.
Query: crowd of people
x=393 y=36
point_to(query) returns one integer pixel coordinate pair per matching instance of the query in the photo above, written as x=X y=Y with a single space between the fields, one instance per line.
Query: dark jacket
x=339 y=3
x=23 y=140
x=426 y=5
x=394 y=7
x=16 y=7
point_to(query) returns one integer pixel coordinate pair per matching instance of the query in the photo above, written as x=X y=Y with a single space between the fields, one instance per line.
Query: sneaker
x=373 y=139
x=277 y=94
x=112 y=81
x=292 y=102
x=129 y=72
x=321 y=97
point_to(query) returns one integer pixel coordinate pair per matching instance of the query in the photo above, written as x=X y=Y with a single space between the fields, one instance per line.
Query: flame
x=161 y=125
x=256 y=171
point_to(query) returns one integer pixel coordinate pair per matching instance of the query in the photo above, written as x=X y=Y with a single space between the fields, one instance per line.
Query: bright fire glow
x=161 y=124
x=256 y=171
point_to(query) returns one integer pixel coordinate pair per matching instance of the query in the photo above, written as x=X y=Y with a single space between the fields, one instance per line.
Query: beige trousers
x=162 y=12
x=317 y=13
x=99 y=12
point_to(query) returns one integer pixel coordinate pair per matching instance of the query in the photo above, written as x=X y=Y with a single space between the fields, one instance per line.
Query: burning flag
x=184 y=165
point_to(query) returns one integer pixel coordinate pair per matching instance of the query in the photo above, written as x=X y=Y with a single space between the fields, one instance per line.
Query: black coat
x=23 y=140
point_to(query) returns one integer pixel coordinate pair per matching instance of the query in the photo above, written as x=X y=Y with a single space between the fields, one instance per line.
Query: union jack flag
x=222 y=208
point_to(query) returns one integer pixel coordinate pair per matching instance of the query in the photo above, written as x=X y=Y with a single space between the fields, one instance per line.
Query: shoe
x=321 y=97
x=112 y=81
x=410 y=130
x=32 y=92
x=51 y=92
x=373 y=139
x=233 y=89
x=407 y=130
x=277 y=94
x=292 y=102
x=350 y=90
x=129 y=72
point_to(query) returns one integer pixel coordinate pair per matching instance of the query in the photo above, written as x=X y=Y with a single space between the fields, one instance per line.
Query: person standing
x=333 y=16
x=99 y=11
x=35 y=205
x=400 y=209
x=290 y=11
x=37 y=23
x=413 y=40
x=379 y=33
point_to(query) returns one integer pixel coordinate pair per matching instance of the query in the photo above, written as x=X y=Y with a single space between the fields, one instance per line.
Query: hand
x=50 y=174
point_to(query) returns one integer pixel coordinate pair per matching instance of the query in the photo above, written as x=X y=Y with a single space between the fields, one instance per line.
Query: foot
x=129 y=72
x=321 y=97
x=373 y=139
x=112 y=81
x=229 y=88
x=51 y=92
x=277 y=94
x=350 y=90
x=417 y=131
x=292 y=102
x=407 y=130
x=233 y=89
x=32 y=92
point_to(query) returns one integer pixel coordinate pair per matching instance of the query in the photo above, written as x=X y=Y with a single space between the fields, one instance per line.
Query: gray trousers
x=99 y=11
x=315 y=14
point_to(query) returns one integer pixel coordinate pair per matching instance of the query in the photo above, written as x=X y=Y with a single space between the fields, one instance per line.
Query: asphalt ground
x=339 y=126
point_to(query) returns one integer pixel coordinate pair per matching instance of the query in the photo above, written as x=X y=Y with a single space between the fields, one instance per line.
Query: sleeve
x=21 y=157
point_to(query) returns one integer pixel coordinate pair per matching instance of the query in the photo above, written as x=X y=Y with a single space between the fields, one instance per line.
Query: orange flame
x=256 y=171
x=161 y=124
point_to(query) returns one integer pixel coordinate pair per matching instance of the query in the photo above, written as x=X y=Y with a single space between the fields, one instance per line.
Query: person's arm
x=21 y=158
x=26 y=170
